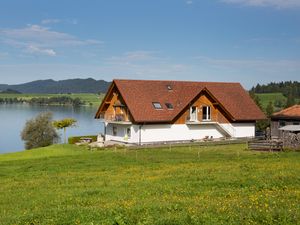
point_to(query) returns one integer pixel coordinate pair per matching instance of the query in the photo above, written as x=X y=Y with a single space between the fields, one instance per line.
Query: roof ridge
x=179 y=81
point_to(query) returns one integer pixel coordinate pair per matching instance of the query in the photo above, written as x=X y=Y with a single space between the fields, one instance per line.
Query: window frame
x=208 y=113
x=114 y=130
x=128 y=133
x=154 y=104
x=167 y=104
x=282 y=123
x=194 y=114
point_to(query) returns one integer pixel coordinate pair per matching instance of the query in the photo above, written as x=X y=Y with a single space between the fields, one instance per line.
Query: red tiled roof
x=140 y=94
x=293 y=112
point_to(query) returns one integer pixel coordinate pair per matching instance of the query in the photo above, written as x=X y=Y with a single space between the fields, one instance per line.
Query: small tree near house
x=39 y=131
x=63 y=124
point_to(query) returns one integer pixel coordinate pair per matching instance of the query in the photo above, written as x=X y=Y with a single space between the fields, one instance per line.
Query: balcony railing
x=196 y=119
x=118 y=118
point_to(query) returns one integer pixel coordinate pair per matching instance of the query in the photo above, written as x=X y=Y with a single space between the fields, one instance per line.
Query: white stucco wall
x=121 y=132
x=244 y=129
x=177 y=132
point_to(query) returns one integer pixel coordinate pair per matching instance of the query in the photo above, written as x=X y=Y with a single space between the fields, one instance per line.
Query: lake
x=14 y=116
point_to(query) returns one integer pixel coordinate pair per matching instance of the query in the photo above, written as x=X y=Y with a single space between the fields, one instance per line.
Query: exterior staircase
x=228 y=129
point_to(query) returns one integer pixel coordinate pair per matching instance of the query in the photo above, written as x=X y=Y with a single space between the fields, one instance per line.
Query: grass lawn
x=94 y=99
x=65 y=184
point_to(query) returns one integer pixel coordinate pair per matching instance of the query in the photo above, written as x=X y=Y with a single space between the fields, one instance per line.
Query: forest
x=290 y=89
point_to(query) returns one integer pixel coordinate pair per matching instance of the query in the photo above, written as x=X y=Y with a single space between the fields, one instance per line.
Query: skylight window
x=169 y=105
x=157 y=105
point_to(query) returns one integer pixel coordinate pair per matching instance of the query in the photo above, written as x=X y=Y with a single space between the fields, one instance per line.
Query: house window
x=115 y=131
x=193 y=113
x=169 y=105
x=296 y=123
x=157 y=105
x=206 y=113
x=128 y=132
x=281 y=123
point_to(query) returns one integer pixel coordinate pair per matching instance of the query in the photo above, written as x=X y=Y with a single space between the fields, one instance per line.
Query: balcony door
x=206 y=113
x=193 y=113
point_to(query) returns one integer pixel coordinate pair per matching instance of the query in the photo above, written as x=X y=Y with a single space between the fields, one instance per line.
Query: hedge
x=75 y=139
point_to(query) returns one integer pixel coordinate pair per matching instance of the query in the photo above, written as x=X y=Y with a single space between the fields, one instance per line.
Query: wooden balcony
x=117 y=118
x=198 y=120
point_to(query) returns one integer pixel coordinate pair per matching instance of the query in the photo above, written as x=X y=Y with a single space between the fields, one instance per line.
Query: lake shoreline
x=88 y=99
x=14 y=116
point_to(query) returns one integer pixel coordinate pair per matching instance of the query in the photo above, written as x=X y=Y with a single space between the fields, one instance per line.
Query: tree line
x=61 y=100
x=290 y=89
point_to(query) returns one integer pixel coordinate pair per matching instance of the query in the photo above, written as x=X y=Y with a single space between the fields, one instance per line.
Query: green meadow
x=65 y=184
x=265 y=98
x=89 y=98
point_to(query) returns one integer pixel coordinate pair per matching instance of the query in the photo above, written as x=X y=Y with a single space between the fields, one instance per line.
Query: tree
x=290 y=101
x=278 y=103
x=262 y=124
x=39 y=131
x=256 y=99
x=63 y=124
x=270 y=109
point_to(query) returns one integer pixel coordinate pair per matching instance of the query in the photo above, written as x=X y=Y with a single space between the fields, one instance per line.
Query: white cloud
x=265 y=3
x=134 y=57
x=36 y=50
x=141 y=64
x=189 y=2
x=44 y=35
x=42 y=38
x=54 y=21
x=49 y=21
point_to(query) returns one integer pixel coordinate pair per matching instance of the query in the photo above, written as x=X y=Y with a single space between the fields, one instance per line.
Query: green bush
x=39 y=132
x=75 y=139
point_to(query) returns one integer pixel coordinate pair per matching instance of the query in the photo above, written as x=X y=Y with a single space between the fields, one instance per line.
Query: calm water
x=13 y=118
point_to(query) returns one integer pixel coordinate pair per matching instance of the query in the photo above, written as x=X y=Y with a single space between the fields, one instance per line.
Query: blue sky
x=247 y=41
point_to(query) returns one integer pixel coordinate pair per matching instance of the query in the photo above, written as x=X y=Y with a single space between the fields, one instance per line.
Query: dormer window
x=169 y=105
x=156 y=105
x=169 y=87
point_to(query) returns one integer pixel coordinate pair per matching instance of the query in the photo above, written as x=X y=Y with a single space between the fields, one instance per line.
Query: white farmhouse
x=147 y=111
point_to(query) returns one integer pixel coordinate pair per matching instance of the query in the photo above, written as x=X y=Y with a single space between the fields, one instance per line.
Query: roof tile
x=293 y=111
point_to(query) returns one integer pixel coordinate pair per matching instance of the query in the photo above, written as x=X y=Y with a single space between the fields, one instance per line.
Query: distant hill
x=10 y=91
x=63 y=86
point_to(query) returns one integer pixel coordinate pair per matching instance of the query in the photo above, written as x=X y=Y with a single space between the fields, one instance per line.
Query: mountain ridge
x=50 y=86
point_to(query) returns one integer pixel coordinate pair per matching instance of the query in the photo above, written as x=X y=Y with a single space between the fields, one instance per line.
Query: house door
x=193 y=113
